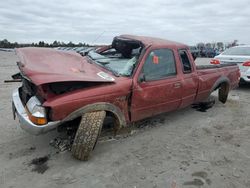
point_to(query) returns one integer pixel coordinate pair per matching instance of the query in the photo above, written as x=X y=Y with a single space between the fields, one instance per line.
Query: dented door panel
x=155 y=97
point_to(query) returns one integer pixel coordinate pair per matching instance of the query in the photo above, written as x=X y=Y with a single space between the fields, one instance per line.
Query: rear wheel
x=87 y=134
x=223 y=93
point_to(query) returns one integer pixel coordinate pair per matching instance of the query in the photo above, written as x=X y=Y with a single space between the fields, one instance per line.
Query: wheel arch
x=221 y=80
x=223 y=84
x=100 y=106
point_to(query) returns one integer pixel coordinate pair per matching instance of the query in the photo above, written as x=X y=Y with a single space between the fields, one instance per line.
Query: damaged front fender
x=101 y=106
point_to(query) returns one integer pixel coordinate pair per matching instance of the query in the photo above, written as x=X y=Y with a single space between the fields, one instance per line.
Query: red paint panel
x=155 y=97
x=114 y=93
x=45 y=65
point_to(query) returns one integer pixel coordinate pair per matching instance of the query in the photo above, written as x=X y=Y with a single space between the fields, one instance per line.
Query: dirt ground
x=187 y=148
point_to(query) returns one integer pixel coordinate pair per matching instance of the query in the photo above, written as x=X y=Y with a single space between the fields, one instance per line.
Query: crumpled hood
x=45 y=65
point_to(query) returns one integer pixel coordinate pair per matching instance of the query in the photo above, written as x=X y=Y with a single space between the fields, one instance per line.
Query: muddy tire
x=87 y=134
x=223 y=93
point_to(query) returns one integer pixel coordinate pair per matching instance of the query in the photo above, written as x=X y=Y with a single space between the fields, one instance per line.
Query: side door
x=189 y=80
x=157 y=88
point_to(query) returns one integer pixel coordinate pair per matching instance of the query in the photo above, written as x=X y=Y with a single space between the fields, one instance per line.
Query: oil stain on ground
x=40 y=164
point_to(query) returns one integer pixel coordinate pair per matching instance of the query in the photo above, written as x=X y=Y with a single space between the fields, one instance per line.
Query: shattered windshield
x=120 y=59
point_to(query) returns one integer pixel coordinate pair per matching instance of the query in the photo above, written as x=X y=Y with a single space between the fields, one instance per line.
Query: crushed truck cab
x=135 y=77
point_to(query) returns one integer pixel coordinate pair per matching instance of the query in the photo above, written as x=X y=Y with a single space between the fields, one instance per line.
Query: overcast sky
x=186 y=21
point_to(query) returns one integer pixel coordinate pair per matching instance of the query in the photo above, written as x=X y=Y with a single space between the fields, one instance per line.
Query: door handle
x=177 y=85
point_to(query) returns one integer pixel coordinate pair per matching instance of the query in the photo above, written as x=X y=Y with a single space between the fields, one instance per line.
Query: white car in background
x=239 y=55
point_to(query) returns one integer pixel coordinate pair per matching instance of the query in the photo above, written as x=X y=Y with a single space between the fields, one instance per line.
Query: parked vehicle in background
x=202 y=52
x=239 y=55
x=85 y=50
x=7 y=49
x=210 y=52
x=74 y=49
x=79 y=49
x=69 y=48
x=207 y=52
x=134 y=78
x=194 y=51
x=61 y=48
x=217 y=52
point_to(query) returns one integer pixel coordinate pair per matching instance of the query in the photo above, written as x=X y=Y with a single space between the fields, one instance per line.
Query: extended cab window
x=159 y=64
x=186 y=65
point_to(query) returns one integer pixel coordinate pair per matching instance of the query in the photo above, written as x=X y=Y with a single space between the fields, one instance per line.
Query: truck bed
x=200 y=67
x=211 y=75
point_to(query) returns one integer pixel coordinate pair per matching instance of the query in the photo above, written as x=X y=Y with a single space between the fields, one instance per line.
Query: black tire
x=223 y=93
x=87 y=134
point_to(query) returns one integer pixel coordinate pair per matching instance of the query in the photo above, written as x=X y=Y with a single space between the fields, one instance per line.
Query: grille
x=27 y=90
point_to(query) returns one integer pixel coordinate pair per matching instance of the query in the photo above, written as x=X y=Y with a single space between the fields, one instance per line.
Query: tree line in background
x=217 y=45
x=6 y=44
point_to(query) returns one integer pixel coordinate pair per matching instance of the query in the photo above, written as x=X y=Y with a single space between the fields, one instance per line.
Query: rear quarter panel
x=209 y=77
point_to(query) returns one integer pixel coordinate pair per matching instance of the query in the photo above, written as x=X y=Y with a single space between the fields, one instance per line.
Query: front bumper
x=25 y=123
x=244 y=73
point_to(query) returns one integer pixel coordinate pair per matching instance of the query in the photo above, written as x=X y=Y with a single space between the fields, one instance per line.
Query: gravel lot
x=187 y=148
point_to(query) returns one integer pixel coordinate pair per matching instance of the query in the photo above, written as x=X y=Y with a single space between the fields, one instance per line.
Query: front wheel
x=87 y=134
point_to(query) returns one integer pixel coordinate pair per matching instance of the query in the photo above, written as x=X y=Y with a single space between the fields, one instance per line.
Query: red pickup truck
x=133 y=78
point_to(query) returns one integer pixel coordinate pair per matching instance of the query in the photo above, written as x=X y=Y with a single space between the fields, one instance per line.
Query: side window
x=187 y=68
x=159 y=64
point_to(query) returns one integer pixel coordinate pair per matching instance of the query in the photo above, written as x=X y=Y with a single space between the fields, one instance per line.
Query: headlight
x=36 y=112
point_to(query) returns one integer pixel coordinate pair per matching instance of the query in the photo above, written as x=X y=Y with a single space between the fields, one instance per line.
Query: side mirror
x=142 y=77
